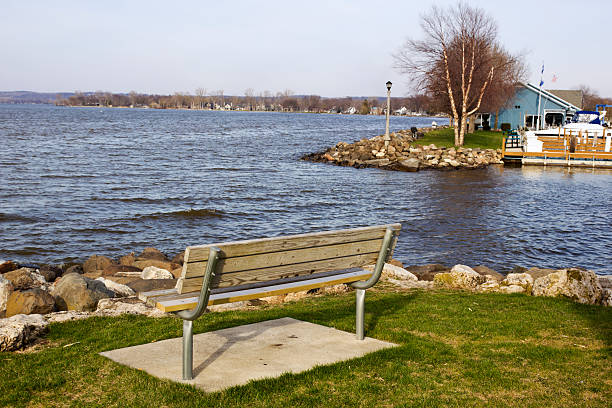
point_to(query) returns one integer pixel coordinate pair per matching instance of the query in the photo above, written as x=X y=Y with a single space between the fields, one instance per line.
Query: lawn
x=445 y=137
x=456 y=349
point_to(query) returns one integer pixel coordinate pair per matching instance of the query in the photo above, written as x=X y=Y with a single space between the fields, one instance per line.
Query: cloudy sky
x=330 y=48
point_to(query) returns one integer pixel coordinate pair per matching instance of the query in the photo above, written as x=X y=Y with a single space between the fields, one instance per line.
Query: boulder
x=517 y=283
x=177 y=272
x=605 y=281
x=484 y=270
x=145 y=263
x=127 y=259
x=18 y=331
x=8 y=266
x=152 y=253
x=146 y=285
x=396 y=263
x=394 y=272
x=576 y=284
x=539 y=272
x=50 y=272
x=179 y=258
x=117 y=307
x=460 y=277
x=31 y=301
x=6 y=288
x=428 y=271
x=114 y=269
x=119 y=289
x=151 y=272
x=78 y=268
x=411 y=164
x=97 y=263
x=77 y=292
x=66 y=316
x=25 y=278
x=490 y=285
x=606 y=297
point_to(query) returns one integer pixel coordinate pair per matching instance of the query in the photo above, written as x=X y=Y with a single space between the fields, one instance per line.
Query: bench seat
x=169 y=300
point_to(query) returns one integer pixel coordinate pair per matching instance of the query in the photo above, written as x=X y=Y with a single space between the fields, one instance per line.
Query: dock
x=569 y=150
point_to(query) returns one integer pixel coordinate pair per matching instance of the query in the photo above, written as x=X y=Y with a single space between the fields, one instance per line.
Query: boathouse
x=522 y=110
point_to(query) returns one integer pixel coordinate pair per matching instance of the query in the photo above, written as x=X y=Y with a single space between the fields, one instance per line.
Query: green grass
x=455 y=349
x=445 y=137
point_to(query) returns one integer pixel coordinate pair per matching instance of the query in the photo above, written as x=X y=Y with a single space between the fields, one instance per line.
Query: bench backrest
x=254 y=262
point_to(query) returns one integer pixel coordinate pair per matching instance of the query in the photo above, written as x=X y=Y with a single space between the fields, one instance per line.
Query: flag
x=541 y=82
x=554 y=78
x=542 y=76
x=542 y=68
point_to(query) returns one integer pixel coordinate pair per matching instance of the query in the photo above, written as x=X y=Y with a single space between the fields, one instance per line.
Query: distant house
x=522 y=110
x=351 y=110
x=402 y=111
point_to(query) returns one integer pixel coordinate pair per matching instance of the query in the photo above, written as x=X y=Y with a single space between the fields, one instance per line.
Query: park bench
x=242 y=270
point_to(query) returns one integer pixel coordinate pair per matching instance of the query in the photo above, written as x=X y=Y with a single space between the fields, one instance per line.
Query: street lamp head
x=389 y=85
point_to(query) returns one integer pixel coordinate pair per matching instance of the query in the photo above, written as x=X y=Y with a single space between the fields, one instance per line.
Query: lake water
x=81 y=181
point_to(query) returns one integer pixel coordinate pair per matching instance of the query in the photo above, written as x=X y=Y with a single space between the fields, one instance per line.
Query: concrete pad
x=237 y=355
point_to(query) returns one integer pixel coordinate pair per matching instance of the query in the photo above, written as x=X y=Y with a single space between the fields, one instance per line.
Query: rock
x=152 y=253
x=428 y=271
x=8 y=266
x=483 y=270
x=177 y=272
x=6 y=288
x=18 y=331
x=50 y=272
x=224 y=307
x=133 y=306
x=114 y=269
x=395 y=272
x=336 y=289
x=147 y=285
x=97 y=263
x=489 y=286
x=119 y=289
x=378 y=162
x=67 y=316
x=539 y=272
x=76 y=292
x=396 y=263
x=460 y=277
x=410 y=164
x=605 y=281
x=576 y=284
x=143 y=264
x=606 y=297
x=25 y=278
x=179 y=258
x=520 y=280
x=127 y=259
x=32 y=301
x=295 y=296
x=151 y=272
x=78 y=268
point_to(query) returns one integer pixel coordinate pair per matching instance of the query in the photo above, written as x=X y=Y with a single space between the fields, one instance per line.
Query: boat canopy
x=587 y=117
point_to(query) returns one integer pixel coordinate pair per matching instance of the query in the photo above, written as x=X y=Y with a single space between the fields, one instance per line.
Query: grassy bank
x=456 y=349
x=483 y=139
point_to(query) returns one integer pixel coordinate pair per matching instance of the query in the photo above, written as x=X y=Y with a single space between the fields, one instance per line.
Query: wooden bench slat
x=279 y=272
x=287 y=257
x=189 y=300
x=200 y=253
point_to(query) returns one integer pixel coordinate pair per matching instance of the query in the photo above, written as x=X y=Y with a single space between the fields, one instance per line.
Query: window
x=531 y=121
x=553 y=119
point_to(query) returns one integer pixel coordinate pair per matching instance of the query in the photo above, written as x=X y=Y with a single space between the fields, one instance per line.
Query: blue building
x=522 y=110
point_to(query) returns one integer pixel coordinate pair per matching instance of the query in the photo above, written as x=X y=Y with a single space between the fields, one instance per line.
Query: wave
x=139 y=200
x=67 y=176
x=4 y=217
x=191 y=213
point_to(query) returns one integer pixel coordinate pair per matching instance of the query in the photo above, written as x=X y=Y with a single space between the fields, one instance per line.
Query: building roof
x=563 y=102
x=572 y=96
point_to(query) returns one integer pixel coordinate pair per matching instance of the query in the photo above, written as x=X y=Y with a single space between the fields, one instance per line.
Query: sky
x=329 y=48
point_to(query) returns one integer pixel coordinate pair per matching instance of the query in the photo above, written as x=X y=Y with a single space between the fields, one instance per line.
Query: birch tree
x=459 y=62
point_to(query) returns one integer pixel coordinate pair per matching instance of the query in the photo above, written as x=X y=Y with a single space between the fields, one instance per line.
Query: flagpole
x=540 y=96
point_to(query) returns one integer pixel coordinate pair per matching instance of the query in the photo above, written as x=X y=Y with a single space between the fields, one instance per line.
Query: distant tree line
x=285 y=101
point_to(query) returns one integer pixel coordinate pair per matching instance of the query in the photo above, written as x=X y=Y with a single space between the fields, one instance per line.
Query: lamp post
x=387 y=138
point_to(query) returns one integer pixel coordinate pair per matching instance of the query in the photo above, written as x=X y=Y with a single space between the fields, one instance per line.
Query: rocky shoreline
x=33 y=297
x=403 y=154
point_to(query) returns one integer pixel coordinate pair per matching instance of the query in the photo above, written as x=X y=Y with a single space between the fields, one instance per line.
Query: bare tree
x=459 y=62
x=199 y=97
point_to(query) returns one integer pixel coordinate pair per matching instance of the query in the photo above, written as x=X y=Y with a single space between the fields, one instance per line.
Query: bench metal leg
x=360 y=312
x=187 y=349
